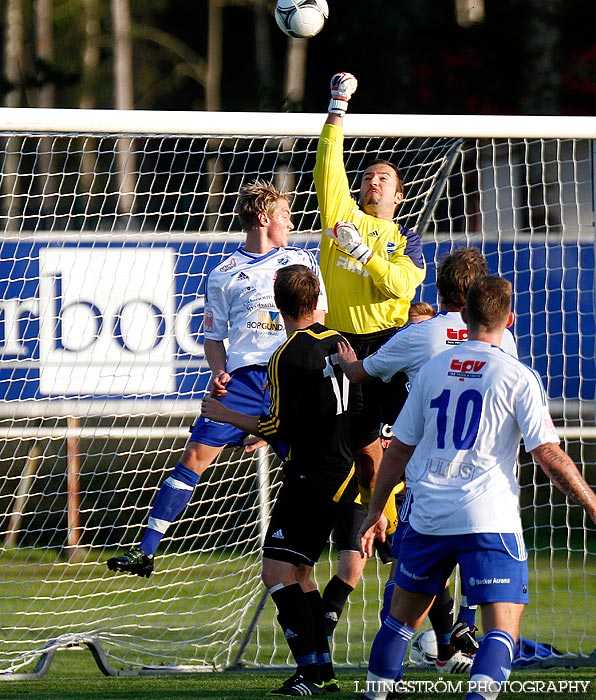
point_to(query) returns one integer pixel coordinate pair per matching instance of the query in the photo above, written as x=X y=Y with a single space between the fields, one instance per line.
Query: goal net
x=110 y=222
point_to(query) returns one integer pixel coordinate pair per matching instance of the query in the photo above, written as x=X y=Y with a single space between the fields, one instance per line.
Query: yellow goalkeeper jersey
x=374 y=297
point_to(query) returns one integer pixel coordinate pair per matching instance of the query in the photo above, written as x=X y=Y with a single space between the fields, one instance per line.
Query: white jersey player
x=413 y=345
x=242 y=328
x=465 y=411
x=407 y=351
x=239 y=305
x=457 y=437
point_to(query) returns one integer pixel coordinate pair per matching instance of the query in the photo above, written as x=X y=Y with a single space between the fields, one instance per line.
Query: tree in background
x=412 y=56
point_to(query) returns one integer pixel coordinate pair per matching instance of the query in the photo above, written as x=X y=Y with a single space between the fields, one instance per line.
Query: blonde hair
x=258 y=197
x=421 y=308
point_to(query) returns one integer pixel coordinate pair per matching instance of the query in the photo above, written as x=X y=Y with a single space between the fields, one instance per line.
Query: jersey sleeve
x=531 y=412
x=401 y=274
x=216 y=312
x=388 y=359
x=331 y=181
x=284 y=405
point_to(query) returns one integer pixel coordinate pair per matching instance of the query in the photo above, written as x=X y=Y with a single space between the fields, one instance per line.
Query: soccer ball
x=301 y=19
x=424 y=650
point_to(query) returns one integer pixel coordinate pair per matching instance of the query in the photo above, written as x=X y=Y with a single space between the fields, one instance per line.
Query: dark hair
x=488 y=302
x=259 y=197
x=296 y=291
x=455 y=274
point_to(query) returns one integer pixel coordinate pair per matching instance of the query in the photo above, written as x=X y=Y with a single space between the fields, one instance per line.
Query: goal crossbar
x=131 y=122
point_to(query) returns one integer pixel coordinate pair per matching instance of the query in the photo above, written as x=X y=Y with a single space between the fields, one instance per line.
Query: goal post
x=102 y=369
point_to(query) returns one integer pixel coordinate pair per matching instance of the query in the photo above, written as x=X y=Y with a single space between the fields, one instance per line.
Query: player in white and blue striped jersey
x=459 y=434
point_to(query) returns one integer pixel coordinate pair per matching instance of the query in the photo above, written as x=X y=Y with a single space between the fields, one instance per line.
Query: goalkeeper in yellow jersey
x=372 y=267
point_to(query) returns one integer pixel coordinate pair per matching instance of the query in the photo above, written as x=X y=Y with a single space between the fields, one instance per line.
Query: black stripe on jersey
x=308 y=393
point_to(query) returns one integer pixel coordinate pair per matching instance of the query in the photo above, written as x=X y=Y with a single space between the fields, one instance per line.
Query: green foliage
x=410 y=56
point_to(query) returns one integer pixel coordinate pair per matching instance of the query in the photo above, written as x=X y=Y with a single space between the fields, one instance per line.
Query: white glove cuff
x=362 y=253
x=338 y=106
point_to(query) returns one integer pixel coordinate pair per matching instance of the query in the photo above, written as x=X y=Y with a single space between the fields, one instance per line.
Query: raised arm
x=331 y=182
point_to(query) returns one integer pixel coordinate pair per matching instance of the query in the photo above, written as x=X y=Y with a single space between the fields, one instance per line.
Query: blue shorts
x=494 y=566
x=248 y=393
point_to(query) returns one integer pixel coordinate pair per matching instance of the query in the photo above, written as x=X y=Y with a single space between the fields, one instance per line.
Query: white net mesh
x=106 y=241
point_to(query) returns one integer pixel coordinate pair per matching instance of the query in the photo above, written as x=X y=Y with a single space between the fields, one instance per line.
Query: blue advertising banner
x=96 y=318
x=104 y=319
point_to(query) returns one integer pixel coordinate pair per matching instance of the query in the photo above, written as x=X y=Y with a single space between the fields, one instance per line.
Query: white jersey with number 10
x=466 y=411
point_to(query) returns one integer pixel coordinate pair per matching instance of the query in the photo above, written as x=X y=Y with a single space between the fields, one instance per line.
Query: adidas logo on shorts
x=279 y=535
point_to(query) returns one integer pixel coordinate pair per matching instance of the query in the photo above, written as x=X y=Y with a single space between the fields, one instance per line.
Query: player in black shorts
x=308 y=413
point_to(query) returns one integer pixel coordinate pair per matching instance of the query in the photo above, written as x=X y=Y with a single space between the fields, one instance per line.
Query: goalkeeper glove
x=343 y=86
x=463 y=638
x=348 y=238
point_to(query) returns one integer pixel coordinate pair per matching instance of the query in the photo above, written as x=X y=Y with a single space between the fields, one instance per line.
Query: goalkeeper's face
x=379 y=191
x=279 y=224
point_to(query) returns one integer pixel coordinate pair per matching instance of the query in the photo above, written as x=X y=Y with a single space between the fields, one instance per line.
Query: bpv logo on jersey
x=455 y=336
x=466 y=369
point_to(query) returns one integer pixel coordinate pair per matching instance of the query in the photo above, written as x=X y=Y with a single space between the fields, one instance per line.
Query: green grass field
x=74 y=676
x=562 y=612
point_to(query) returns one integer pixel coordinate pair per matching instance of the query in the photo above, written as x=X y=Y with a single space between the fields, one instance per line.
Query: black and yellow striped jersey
x=308 y=411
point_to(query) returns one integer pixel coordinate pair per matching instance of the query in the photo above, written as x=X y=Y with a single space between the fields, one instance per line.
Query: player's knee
x=199 y=457
x=277 y=574
x=350 y=569
x=268 y=580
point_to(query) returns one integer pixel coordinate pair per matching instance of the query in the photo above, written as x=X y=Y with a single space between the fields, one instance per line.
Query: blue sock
x=467 y=613
x=492 y=665
x=387 y=596
x=389 y=649
x=172 y=498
